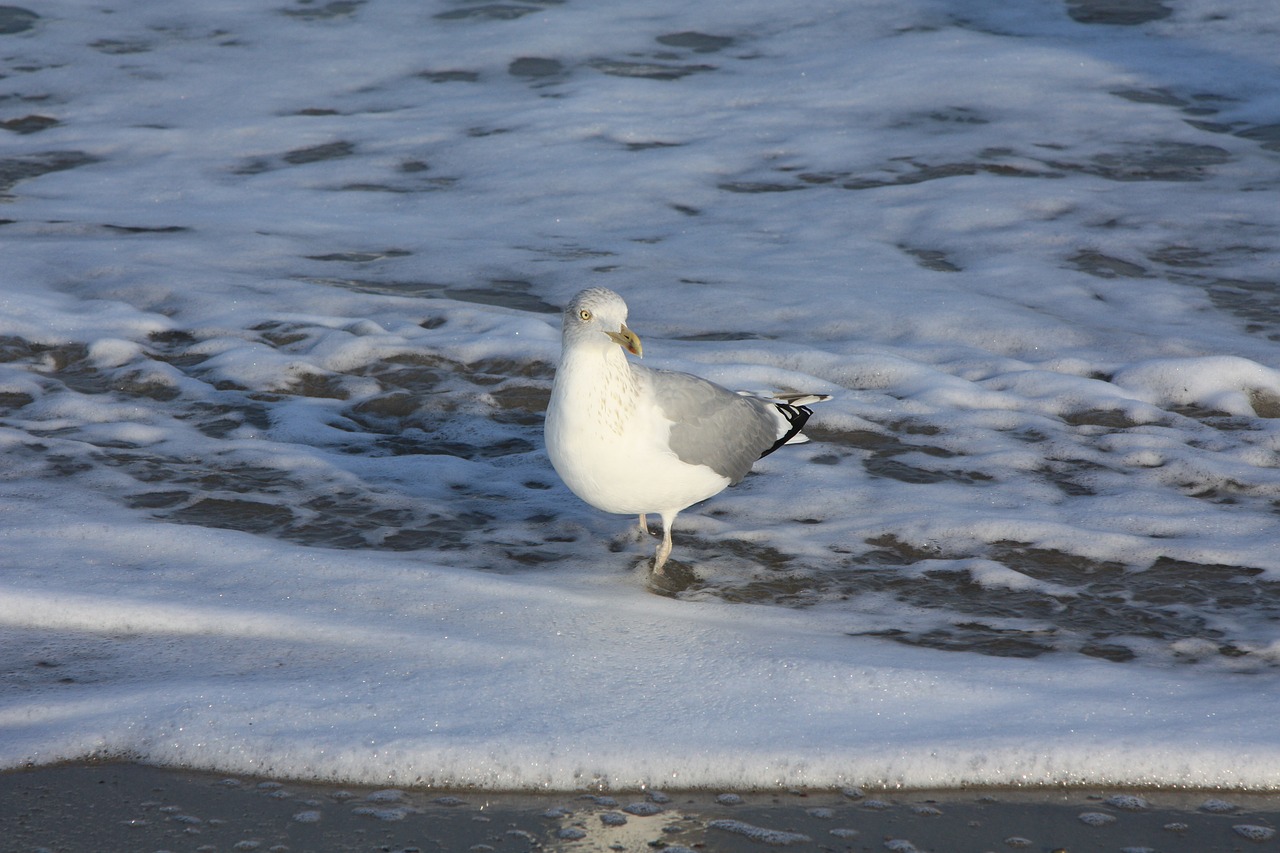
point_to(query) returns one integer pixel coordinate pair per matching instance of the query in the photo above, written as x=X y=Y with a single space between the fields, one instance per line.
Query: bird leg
x=664 y=548
x=644 y=525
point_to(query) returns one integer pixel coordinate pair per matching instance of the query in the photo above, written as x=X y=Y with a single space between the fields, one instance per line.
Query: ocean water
x=279 y=292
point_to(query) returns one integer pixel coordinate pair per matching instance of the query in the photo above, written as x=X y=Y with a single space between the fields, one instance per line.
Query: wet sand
x=116 y=807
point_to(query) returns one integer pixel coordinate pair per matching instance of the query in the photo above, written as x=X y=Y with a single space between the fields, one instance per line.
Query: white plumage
x=628 y=439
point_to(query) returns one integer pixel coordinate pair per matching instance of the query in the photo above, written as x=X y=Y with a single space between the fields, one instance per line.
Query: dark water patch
x=295 y=157
x=987 y=619
x=1117 y=12
x=446 y=534
x=822 y=177
x=1108 y=651
x=931 y=259
x=1159 y=96
x=15 y=19
x=520 y=404
x=972 y=637
x=695 y=41
x=1169 y=610
x=1105 y=266
x=29 y=124
x=318 y=153
x=1096 y=422
x=755 y=553
x=1111 y=419
x=503 y=293
x=1155 y=161
x=344 y=520
x=946 y=116
x=1196 y=106
x=121 y=47
x=1267 y=135
x=750 y=187
x=881 y=457
x=18 y=349
x=283 y=335
x=361 y=257
x=156 y=500
x=1169 y=581
x=11 y=401
x=317 y=385
x=501 y=369
x=883 y=465
x=421 y=390
x=647 y=70
x=724 y=336
x=648 y=146
x=1265 y=403
x=760 y=572
x=415 y=374
x=1052 y=566
x=902 y=172
x=141 y=384
x=429 y=185
x=1215 y=418
x=890 y=550
x=220 y=420
x=573 y=252
x=1224 y=493
x=306 y=10
x=535 y=67
x=28 y=166
x=391 y=405
x=786 y=589
x=228 y=495
x=426 y=444
x=147 y=229
x=488 y=12
x=67 y=364
x=489 y=411
x=450 y=76
x=1255 y=301
x=247 y=516
x=1182 y=257
x=1210 y=126
x=922 y=172
x=219 y=474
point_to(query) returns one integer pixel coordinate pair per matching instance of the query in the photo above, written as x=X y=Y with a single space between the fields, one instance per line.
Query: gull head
x=597 y=316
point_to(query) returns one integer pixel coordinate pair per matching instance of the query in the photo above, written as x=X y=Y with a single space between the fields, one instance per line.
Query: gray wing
x=713 y=426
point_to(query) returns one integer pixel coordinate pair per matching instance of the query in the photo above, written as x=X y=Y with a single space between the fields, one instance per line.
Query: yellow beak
x=628 y=340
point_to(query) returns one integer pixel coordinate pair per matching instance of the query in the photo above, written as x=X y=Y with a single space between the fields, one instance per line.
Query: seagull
x=631 y=440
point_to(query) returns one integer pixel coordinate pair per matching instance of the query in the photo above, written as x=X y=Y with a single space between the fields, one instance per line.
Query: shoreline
x=121 y=806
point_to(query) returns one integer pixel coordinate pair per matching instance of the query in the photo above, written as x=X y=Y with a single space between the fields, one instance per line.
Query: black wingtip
x=796 y=416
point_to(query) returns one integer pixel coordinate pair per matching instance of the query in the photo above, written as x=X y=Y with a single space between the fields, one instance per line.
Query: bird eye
x=584 y=314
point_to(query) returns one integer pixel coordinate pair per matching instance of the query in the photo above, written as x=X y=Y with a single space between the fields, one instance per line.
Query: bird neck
x=597 y=376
